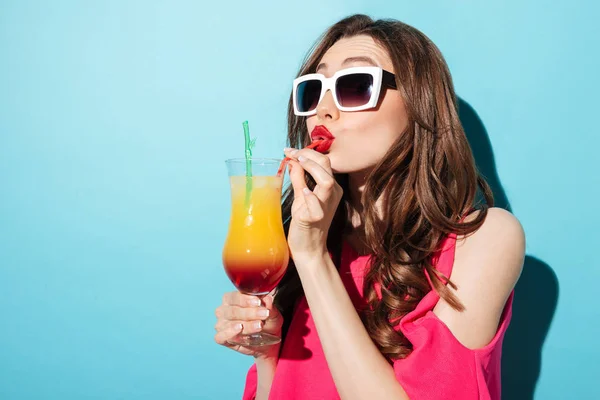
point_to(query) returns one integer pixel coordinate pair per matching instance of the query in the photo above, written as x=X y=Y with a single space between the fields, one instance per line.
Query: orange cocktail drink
x=255 y=255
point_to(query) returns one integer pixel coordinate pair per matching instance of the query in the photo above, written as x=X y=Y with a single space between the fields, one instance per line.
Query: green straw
x=249 y=144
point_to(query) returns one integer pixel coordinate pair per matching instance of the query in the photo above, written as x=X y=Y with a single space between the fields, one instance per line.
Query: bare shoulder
x=487 y=266
x=501 y=232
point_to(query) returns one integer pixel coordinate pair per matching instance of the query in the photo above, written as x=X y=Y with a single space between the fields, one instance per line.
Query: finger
x=223 y=335
x=233 y=313
x=268 y=301
x=313 y=205
x=248 y=326
x=269 y=305
x=297 y=178
x=240 y=300
x=290 y=152
x=252 y=327
x=222 y=324
x=320 y=158
x=325 y=181
x=323 y=160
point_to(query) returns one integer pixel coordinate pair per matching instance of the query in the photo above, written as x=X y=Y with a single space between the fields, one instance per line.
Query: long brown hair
x=427 y=182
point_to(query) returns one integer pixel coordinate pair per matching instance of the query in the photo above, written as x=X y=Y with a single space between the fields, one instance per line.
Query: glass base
x=255 y=340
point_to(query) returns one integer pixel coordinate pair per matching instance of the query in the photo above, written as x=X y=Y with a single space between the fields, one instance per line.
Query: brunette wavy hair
x=427 y=182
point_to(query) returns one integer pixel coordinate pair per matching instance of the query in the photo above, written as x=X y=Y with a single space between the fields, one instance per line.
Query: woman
x=401 y=280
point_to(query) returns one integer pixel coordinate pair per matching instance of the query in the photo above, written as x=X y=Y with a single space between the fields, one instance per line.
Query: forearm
x=265 y=369
x=359 y=370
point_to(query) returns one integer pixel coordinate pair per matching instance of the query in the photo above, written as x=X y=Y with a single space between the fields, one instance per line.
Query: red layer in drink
x=254 y=279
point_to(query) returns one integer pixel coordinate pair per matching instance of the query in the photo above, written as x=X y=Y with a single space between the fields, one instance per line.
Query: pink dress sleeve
x=251 y=384
x=440 y=367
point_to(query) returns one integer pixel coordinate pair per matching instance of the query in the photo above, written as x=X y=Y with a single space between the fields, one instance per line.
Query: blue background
x=115 y=119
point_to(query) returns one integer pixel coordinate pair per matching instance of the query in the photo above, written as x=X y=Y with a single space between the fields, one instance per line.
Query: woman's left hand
x=312 y=211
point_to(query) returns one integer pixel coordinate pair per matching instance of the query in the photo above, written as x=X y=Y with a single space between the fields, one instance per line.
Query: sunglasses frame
x=380 y=77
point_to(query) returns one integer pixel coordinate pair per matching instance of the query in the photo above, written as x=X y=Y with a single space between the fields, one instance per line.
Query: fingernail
x=286 y=149
x=306 y=191
x=238 y=327
x=301 y=158
x=294 y=152
x=257 y=325
x=255 y=302
x=263 y=313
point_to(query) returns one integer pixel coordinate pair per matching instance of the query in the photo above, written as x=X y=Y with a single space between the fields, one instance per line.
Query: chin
x=338 y=168
x=335 y=167
x=347 y=163
x=349 y=168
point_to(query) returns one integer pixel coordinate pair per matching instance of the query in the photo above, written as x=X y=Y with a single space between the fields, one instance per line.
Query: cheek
x=376 y=130
x=392 y=109
x=311 y=122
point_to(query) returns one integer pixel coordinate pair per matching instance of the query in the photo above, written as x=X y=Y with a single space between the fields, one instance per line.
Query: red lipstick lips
x=321 y=133
x=322 y=140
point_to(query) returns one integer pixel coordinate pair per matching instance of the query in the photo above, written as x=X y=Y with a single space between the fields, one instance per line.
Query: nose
x=326 y=109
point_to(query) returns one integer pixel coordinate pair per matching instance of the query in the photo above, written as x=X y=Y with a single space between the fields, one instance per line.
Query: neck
x=356 y=186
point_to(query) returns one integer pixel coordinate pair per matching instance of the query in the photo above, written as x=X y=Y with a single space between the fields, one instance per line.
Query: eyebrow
x=350 y=60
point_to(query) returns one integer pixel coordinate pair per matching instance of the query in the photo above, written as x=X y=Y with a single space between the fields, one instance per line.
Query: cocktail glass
x=255 y=254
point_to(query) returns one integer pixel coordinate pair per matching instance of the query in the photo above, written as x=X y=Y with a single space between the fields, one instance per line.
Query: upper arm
x=487 y=265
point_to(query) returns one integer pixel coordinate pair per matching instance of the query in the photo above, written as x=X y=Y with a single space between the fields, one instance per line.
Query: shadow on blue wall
x=536 y=293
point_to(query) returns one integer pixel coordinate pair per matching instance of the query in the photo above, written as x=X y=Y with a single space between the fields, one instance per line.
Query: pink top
x=439 y=367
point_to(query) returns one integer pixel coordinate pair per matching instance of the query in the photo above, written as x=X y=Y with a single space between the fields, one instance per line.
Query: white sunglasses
x=353 y=89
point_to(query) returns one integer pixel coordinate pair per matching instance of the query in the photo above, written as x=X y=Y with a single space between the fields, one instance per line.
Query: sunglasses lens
x=307 y=95
x=354 y=90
